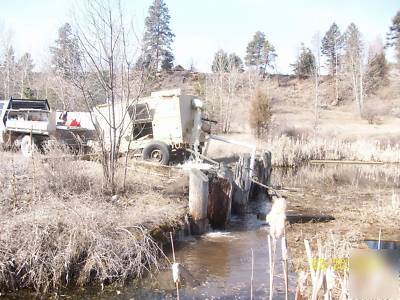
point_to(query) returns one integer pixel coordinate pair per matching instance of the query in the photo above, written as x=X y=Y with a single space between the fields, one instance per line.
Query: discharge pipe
x=251 y=147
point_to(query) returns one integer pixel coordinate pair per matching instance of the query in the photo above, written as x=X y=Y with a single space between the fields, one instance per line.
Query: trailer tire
x=157 y=152
x=28 y=146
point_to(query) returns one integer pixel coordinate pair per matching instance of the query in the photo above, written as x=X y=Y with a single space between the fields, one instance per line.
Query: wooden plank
x=198 y=201
x=219 y=201
x=332 y=161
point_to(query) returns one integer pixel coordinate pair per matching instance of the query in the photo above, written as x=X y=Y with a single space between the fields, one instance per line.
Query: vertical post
x=267 y=162
x=198 y=200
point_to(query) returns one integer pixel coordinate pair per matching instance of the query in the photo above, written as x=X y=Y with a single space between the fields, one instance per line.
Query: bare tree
x=353 y=63
x=317 y=69
x=221 y=89
x=108 y=57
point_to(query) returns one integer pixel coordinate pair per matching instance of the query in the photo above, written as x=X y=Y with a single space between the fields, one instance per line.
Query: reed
x=289 y=152
x=276 y=219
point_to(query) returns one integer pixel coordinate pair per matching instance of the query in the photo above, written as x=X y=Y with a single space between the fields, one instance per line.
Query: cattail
x=176 y=272
x=301 y=285
x=284 y=249
x=277 y=217
x=330 y=278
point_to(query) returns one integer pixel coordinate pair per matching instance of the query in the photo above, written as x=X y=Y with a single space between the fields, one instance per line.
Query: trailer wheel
x=28 y=146
x=157 y=152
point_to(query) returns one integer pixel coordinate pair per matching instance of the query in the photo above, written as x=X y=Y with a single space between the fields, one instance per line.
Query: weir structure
x=217 y=191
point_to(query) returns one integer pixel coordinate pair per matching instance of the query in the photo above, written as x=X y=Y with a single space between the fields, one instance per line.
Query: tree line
x=347 y=60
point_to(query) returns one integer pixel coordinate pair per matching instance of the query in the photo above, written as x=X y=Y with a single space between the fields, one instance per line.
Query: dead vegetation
x=61 y=226
x=289 y=152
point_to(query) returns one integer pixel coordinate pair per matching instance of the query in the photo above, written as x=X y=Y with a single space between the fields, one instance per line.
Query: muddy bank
x=61 y=228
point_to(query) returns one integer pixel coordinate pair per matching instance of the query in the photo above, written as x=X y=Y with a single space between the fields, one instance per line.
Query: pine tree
x=224 y=62
x=260 y=53
x=377 y=68
x=66 y=55
x=235 y=62
x=332 y=43
x=393 y=37
x=28 y=93
x=305 y=64
x=157 y=39
x=331 y=46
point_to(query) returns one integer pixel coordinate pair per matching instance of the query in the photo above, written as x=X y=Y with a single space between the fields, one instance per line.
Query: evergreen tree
x=220 y=62
x=224 y=62
x=168 y=61
x=157 y=39
x=235 y=62
x=28 y=93
x=66 y=55
x=353 y=48
x=377 y=70
x=260 y=53
x=332 y=43
x=393 y=37
x=305 y=64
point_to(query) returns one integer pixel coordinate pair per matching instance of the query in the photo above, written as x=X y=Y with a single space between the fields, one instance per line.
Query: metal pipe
x=203 y=156
x=252 y=147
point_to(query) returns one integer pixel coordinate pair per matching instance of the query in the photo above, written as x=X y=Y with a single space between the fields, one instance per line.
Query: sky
x=202 y=27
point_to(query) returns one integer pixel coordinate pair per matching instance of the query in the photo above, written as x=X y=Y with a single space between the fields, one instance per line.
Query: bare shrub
x=293 y=132
x=260 y=113
x=370 y=115
x=373 y=111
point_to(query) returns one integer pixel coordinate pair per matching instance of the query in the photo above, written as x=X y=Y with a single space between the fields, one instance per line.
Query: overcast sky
x=204 y=26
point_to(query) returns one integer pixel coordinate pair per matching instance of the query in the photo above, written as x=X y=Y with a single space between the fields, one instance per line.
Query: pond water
x=220 y=263
x=390 y=250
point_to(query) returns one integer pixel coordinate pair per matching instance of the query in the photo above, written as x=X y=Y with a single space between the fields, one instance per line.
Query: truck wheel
x=157 y=152
x=28 y=146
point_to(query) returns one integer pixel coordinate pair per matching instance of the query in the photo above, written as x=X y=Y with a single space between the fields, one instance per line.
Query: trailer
x=158 y=128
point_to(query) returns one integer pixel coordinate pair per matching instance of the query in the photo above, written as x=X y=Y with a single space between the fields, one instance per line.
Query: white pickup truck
x=25 y=124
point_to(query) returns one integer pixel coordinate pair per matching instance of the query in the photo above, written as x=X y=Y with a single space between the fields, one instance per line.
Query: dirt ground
x=150 y=197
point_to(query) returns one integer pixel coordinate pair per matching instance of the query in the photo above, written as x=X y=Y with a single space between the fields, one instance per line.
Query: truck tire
x=157 y=152
x=28 y=146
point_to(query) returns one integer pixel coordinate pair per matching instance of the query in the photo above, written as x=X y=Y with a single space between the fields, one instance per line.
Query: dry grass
x=60 y=226
x=289 y=152
x=58 y=244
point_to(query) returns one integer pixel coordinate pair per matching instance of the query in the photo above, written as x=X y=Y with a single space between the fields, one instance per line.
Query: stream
x=220 y=261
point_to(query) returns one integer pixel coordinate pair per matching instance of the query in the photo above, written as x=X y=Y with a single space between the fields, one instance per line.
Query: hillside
x=293 y=105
